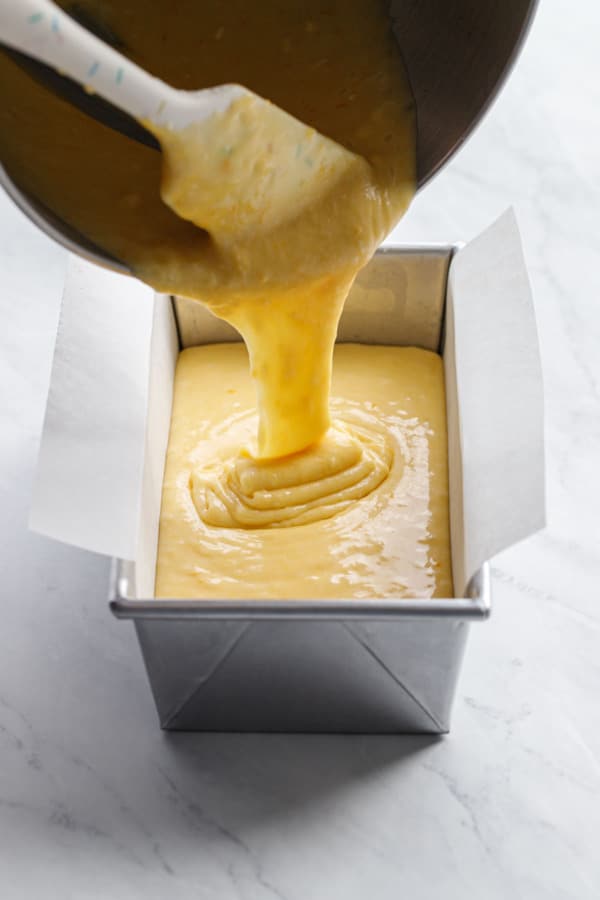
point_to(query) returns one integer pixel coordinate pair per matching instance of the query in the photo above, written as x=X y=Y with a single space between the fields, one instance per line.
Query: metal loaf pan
x=316 y=666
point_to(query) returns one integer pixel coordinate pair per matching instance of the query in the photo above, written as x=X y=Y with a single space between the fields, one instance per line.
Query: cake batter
x=365 y=519
x=306 y=498
x=334 y=65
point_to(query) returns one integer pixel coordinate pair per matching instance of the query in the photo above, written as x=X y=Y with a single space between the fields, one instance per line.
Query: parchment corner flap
x=500 y=393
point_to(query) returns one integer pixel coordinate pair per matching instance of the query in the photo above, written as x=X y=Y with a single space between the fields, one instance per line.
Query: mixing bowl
x=457 y=54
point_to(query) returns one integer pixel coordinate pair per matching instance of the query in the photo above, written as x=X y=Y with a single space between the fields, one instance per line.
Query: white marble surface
x=96 y=803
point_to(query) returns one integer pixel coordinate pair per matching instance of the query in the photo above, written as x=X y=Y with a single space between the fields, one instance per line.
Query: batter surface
x=363 y=513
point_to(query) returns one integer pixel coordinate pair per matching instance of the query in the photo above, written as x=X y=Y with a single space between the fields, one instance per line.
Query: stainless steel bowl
x=458 y=54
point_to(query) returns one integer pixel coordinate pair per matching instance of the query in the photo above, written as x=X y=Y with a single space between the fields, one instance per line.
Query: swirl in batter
x=232 y=489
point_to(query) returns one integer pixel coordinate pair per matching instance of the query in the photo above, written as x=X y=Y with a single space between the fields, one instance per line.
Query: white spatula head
x=248 y=165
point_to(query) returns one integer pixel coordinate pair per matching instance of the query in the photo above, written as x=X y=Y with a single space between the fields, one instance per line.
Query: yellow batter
x=368 y=520
x=290 y=502
x=332 y=64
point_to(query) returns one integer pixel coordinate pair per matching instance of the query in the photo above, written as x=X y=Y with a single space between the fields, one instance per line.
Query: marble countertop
x=95 y=802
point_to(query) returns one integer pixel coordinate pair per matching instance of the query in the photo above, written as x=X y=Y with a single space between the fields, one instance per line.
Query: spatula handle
x=41 y=29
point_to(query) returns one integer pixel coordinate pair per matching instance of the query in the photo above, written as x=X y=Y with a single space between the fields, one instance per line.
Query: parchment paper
x=100 y=466
x=88 y=480
x=496 y=431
